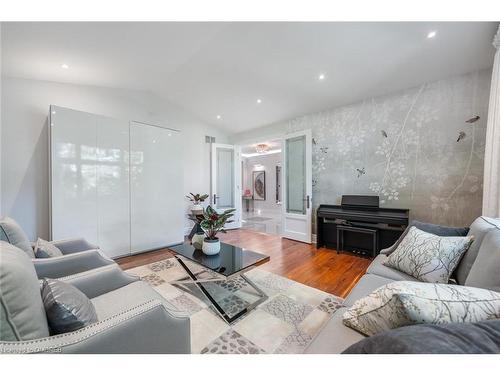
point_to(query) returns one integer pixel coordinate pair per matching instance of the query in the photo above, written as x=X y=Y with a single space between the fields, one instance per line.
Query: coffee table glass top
x=230 y=260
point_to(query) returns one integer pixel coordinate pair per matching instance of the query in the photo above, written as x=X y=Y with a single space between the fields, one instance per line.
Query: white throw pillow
x=404 y=303
x=428 y=257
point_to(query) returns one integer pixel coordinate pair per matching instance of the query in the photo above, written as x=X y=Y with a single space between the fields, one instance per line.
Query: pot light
x=321 y=77
x=431 y=34
x=219 y=117
x=259 y=101
x=65 y=66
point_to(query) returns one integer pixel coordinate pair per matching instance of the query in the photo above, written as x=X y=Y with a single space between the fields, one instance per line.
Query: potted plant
x=213 y=223
x=196 y=208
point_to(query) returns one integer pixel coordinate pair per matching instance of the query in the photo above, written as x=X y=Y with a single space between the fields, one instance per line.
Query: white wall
x=413 y=148
x=268 y=164
x=24 y=142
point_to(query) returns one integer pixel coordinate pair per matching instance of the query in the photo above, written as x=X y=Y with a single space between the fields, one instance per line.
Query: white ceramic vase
x=197 y=209
x=211 y=247
x=197 y=240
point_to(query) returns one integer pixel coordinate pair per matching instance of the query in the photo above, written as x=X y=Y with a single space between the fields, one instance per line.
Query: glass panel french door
x=226 y=181
x=297 y=208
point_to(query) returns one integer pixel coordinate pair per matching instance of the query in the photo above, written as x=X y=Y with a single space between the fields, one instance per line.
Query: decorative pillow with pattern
x=428 y=257
x=44 y=249
x=404 y=303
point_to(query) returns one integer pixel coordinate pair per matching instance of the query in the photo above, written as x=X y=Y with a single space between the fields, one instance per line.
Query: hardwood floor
x=319 y=268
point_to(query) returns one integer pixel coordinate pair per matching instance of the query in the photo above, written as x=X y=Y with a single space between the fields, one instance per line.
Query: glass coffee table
x=221 y=278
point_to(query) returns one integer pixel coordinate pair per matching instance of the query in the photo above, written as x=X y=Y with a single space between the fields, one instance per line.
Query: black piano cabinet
x=383 y=224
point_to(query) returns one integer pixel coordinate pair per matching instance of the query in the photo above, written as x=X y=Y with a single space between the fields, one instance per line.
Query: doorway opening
x=261 y=181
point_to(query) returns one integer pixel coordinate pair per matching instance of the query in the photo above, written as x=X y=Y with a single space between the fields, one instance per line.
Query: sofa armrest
x=146 y=328
x=70 y=264
x=100 y=280
x=73 y=245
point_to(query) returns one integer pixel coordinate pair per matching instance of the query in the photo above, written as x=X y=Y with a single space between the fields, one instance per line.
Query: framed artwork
x=259 y=185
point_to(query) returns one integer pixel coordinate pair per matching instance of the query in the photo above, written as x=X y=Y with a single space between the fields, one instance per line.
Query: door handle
x=308 y=201
x=215 y=199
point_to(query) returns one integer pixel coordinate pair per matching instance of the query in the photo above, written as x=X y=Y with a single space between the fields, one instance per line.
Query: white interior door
x=297 y=186
x=226 y=181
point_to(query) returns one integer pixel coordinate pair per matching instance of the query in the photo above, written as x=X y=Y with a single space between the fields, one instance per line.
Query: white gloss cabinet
x=113 y=186
x=115 y=182
x=156 y=190
x=73 y=174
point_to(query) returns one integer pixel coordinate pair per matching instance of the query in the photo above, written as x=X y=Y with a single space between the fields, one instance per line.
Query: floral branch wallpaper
x=421 y=149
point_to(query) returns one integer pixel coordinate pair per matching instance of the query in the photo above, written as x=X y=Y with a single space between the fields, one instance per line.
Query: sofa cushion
x=378 y=268
x=119 y=300
x=479 y=228
x=334 y=337
x=11 y=232
x=67 y=308
x=44 y=249
x=428 y=257
x=22 y=313
x=367 y=284
x=403 y=303
x=438 y=230
x=485 y=272
x=453 y=338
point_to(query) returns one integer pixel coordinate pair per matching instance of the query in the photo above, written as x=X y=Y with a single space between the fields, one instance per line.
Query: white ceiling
x=222 y=69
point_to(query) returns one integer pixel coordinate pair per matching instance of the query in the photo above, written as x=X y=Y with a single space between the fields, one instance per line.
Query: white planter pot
x=197 y=240
x=211 y=247
x=196 y=209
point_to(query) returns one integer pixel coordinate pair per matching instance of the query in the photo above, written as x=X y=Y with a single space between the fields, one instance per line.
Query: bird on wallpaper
x=324 y=150
x=473 y=119
x=384 y=134
x=314 y=142
x=461 y=136
x=361 y=171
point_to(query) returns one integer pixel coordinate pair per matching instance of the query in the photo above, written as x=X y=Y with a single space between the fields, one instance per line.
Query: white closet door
x=156 y=187
x=113 y=207
x=90 y=179
x=73 y=174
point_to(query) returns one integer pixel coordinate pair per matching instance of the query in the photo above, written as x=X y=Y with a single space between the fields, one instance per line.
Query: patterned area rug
x=285 y=323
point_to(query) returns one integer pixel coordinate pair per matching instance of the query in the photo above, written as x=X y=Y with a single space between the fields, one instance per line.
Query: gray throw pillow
x=438 y=230
x=453 y=338
x=11 y=232
x=44 y=249
x=479 y=228
x=67 y=308
x=485 y=272
x=22 y=315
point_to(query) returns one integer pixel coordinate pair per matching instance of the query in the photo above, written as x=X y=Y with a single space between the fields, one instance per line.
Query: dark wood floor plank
x=319 y=268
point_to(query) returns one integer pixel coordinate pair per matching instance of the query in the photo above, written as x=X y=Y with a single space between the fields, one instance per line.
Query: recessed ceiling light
x=219 y=117
x=259 y=101
x=321 y=77
x=65 y=66
x=431 y=34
